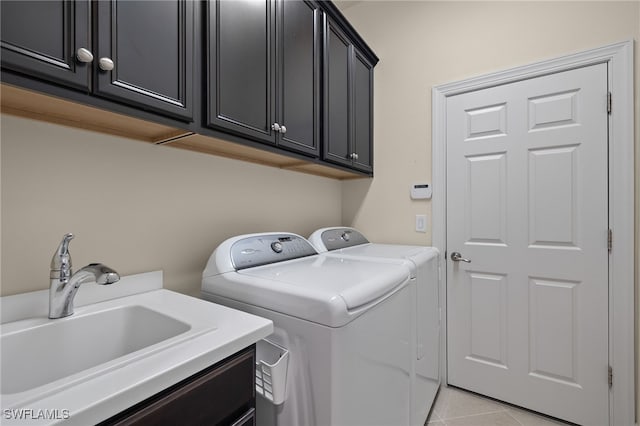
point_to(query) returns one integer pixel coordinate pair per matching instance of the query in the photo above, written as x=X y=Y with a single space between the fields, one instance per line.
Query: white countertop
x=98 y=393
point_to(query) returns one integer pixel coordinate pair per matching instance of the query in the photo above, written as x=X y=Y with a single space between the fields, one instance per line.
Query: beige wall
x=138 y=207
x=424 y=44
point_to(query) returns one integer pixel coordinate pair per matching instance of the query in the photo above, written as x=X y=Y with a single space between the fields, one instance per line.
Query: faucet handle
x=61 y=260
x=63 y=248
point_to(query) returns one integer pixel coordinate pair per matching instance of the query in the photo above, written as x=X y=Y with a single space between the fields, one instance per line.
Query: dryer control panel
x=338 y=238
x=260 y=250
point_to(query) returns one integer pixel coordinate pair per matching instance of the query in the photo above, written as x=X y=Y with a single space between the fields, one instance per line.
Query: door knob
x=283 y=129
x=457 y=257
x=84 y=55
x=276 y=127
x=105 y=64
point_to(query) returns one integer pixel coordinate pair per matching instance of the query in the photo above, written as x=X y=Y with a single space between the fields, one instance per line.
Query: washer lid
x=357 y=282
x=393 y=251
x=293 y=280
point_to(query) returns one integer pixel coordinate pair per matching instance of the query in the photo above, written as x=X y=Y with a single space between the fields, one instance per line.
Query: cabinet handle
x=105 y=64
x=276 y=127
x=84 y=55
x=353 y=156
x=283 y=129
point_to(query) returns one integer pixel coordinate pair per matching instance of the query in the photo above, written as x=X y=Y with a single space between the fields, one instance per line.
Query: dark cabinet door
x=220 y=395
x=337 y=96
x=348 y=109
x=362 y=113
x=41 y=38
x=241 y=67
x=299 y=42
x=150 y=46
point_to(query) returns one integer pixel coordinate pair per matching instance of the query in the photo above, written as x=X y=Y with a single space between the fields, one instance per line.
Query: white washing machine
x=423 y=261
x=346 y=323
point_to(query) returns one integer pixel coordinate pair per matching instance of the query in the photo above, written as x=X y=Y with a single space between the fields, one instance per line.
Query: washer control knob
x=346 y=236
x=276 y=246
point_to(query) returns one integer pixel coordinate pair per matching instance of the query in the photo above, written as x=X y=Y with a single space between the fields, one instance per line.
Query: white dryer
x=345 y=322
x=347 y=242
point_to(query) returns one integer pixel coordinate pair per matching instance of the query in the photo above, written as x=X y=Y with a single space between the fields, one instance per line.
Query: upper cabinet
x=141 y=54
x=145 y=54
x=298 y=25
x=362 y=104
x=43 y=39
x=288 y=77
x=263 y=61
x=348 y=101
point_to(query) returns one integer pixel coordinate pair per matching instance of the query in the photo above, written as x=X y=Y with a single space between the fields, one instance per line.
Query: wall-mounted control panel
x=421 y=191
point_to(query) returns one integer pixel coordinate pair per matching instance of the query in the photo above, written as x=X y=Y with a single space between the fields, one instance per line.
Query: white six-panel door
x=527 y=205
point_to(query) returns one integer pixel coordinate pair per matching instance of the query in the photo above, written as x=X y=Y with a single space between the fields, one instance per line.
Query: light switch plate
x=421 y=223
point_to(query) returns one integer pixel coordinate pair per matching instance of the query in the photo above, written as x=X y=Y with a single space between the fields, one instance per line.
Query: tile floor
x=457 y=407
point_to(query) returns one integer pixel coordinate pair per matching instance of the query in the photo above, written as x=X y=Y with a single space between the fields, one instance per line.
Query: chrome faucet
x=64 y=283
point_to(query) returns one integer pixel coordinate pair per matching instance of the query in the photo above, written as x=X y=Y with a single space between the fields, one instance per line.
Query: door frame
x=619 y=57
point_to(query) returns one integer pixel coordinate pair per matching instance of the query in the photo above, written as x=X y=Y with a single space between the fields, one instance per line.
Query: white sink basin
x=61 y=348
x=110 y=355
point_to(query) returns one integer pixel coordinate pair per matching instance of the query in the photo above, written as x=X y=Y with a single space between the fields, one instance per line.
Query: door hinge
x=609 y=102
x=610 y=240
x=610 y=377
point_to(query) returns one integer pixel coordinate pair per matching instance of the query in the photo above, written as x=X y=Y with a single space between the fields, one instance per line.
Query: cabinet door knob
x=283 y=129
x=105 y=64
x=353 y=156
x=276 y=127
x=84 y=55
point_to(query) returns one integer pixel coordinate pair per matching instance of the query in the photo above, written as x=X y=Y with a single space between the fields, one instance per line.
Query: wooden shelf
x=25 y=103
x=37 y=106
x=223 y=148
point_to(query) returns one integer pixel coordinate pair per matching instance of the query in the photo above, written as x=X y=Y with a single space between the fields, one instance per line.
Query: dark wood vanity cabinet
x=263 y=63
x=139 y=53
x=223 y=394
x=348 y=101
